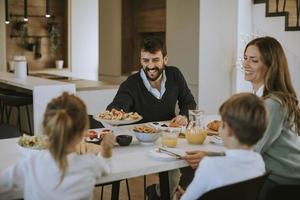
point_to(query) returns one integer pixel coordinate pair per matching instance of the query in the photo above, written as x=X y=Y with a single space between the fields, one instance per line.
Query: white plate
x=216 y=140
x=165 y=157
x=164 y=126
x=26 y=151
x=116 y=122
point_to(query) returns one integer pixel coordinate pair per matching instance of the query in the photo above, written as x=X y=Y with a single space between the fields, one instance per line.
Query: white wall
x=97 y=100
x=2 y=37
x=110 y=37
x=290 y=40
x=244 y=30
x=182 y=36
x=218 y=42
x=84 y=37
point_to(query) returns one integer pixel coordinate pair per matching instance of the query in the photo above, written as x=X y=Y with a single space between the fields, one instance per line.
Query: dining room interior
x=99 y=44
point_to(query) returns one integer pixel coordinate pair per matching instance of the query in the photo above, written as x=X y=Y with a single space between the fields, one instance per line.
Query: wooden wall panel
x=37 y=26
x=139 y=20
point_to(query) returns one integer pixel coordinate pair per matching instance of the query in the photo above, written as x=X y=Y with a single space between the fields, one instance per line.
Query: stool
x=9 y=131
x=2 y=107
x=10 y=99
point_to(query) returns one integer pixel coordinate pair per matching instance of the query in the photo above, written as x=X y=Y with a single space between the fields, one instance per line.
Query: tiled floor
x=136 y=186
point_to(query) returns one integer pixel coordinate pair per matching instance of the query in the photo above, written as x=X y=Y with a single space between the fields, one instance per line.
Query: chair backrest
x=246 y=190
x=94 y=124
x=290 y=192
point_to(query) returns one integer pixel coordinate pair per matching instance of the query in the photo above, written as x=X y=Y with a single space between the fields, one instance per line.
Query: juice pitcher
x=195 y=131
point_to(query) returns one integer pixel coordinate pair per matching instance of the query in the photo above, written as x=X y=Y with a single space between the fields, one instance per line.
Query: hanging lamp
x=6 y=12
x=25 y=11
x=47 y=15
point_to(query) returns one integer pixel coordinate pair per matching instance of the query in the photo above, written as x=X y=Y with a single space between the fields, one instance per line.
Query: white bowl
x=146 y=137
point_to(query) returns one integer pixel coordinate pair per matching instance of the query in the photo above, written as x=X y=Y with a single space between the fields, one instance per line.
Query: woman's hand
x=194 y=157
x=179 y=192
x=107 y=144
x=178 y=121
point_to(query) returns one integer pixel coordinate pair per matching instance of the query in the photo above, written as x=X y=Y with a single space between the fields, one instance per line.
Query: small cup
x=170 y=137
x=124 y=140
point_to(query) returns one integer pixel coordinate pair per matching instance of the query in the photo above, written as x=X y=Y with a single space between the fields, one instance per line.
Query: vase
x=59 y=64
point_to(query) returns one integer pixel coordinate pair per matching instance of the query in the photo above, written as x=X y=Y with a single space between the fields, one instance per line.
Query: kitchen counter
x=44 y=86
x=80 y=84
x=42 y=90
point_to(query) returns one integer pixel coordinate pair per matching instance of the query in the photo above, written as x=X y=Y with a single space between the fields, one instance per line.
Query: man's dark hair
x=153 y=45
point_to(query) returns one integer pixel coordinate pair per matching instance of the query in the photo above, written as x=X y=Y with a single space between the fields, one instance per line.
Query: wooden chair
x=246 y=190
x=279 y=192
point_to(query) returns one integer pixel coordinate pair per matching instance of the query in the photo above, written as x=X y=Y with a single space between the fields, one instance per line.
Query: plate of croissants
x=213 y=127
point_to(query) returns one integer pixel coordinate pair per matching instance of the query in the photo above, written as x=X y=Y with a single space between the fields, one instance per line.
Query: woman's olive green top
x=280 y=145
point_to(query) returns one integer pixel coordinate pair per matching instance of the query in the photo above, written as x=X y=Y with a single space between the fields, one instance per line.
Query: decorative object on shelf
x=47 y=15
x=37 y=44
x=54 y=36
x=59 y=64
x=6 y=12
x=20 y=29
x=20 y=65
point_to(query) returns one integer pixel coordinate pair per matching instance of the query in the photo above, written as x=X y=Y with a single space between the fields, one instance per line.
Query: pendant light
x=6 y=12
x=47 y=15
x=25 y=11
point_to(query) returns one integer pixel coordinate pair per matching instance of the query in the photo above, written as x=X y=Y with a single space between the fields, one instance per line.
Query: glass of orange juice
x=170 y=137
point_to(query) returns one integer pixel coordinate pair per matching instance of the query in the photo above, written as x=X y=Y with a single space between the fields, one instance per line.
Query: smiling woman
x=255 y=68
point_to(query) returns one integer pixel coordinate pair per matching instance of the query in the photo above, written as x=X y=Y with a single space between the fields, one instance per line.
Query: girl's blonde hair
x=65 y=120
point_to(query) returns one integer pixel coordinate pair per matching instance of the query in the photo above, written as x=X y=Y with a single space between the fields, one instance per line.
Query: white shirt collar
x=259 y=92
x=155 y=92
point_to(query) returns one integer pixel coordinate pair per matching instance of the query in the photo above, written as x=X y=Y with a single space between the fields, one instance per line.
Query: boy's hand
x=179 y=192
x=194 y=157
x=83 y=148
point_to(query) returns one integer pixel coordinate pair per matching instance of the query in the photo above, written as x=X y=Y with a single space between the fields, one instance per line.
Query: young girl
x=59 y=172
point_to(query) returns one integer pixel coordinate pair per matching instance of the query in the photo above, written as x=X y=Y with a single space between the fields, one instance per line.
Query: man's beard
x=156 y=69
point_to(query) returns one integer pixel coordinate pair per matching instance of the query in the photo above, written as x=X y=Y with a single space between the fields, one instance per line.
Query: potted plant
x=19 y=29
x=55 y=42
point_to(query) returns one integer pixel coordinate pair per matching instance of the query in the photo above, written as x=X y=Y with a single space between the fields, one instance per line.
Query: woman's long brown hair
x=278 y=81
x=65 y=120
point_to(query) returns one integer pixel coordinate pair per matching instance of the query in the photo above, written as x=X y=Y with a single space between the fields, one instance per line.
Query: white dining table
x=127 y=162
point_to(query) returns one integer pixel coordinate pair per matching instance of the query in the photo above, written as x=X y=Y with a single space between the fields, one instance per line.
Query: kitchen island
x=95 y=94
x=43 y=87
x=42 y=90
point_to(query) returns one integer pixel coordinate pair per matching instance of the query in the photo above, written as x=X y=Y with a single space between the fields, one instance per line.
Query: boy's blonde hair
x=65 y=120
x=245 y=113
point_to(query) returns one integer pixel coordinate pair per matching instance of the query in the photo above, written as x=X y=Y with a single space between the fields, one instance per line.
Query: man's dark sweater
x=133 y=96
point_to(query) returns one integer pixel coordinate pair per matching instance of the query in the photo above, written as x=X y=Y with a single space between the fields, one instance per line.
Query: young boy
x=244 y=121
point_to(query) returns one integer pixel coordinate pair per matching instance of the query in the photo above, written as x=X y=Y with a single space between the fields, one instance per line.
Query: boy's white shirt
x=238 y=165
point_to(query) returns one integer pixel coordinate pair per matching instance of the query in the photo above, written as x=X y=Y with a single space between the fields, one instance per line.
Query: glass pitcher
x=195 y=131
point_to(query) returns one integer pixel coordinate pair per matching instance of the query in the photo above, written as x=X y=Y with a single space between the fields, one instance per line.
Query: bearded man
x=154 y=91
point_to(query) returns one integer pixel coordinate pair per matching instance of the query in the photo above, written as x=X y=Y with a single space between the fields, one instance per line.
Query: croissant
x=214 y=125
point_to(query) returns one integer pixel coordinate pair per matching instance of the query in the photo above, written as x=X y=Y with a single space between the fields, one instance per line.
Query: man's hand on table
x=178 y=121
